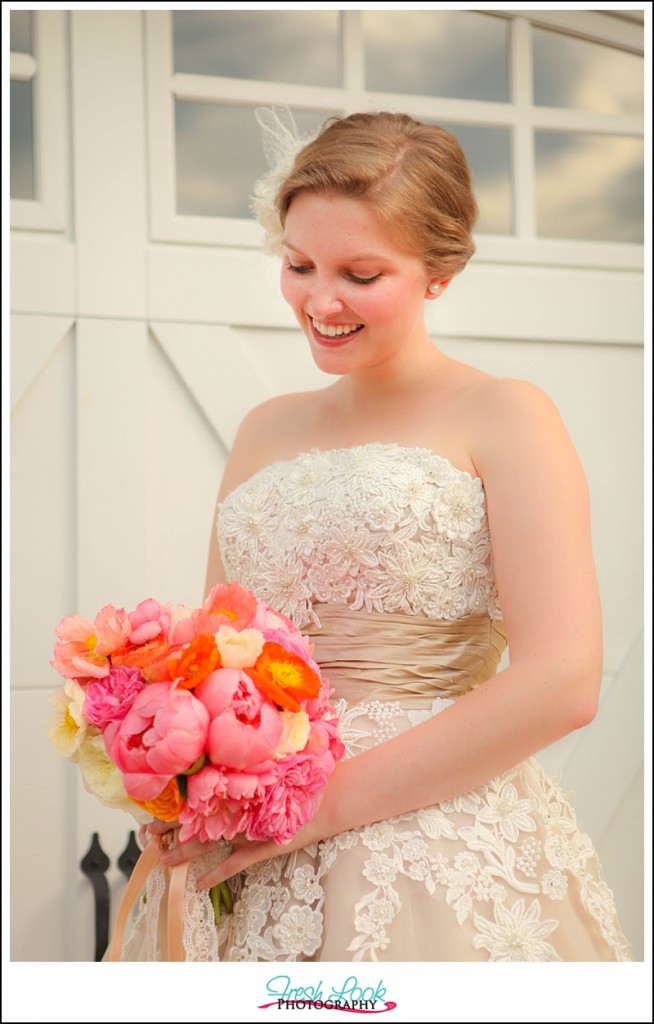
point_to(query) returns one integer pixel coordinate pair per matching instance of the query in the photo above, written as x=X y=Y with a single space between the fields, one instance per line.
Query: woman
x=409 y=517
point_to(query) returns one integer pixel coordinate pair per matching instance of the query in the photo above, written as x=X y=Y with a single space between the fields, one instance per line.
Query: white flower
x=68 y=725
x=517 y=934
x=296 y=727
x=103 y=779
x=380 y=869
x=238 y=648
x=507 y=811
x=299 y=930
x=378 y=836
x=460 y=511
x=304 y=884
x=554 y=884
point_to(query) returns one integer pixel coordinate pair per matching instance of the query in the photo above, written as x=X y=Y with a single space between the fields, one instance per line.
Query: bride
x=412 y=517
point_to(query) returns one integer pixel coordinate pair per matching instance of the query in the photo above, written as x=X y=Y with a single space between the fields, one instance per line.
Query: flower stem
x=220 y=893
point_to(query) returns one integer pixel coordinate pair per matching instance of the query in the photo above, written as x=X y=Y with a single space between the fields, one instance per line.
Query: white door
x=146 y=322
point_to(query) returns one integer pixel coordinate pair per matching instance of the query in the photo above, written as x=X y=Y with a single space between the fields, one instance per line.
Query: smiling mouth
x=335 y=330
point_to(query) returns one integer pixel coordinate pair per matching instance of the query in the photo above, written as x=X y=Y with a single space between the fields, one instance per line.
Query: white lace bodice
x=378 y=526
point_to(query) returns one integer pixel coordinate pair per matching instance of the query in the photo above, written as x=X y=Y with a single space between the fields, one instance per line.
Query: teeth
x=335 y=332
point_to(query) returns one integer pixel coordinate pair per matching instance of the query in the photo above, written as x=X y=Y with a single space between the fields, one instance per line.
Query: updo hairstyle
x=415 y=175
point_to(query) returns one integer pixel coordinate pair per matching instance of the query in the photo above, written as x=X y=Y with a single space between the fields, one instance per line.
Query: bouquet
x=217 y=717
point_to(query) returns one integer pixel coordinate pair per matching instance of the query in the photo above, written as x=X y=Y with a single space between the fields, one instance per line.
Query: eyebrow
x=365 y=257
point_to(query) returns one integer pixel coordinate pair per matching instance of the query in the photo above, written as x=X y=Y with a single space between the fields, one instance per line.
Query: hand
x=163 y=833
x=243 y=853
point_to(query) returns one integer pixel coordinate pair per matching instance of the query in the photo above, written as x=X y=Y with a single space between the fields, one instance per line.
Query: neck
x=405 y=377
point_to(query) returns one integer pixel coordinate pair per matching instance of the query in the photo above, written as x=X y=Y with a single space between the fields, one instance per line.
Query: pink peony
x=220 y=803
x=163 y=734
x=148 y=620
x=109 y=699
x=84 y=647
x=293 y=798
x=245 y=727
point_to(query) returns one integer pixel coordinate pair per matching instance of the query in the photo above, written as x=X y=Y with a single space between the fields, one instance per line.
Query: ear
x=436 y=288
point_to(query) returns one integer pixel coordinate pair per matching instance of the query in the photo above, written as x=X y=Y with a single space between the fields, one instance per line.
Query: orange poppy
x=284 y=677
x=194 y=664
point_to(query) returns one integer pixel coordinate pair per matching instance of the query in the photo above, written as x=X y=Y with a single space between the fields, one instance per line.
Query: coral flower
x=285 y=678
x=167 y=806
x=85 y=646
x=227 y=604
x=142 y=656
x=195 y=663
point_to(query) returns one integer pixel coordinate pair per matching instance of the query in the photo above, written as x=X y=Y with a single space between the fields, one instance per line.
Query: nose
x=323 y=300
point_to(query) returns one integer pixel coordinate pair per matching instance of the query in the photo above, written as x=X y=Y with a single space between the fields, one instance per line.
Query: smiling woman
x=142 y=307
x=402 y=518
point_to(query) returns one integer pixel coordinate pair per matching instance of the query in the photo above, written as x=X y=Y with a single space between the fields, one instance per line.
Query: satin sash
x=407 y=658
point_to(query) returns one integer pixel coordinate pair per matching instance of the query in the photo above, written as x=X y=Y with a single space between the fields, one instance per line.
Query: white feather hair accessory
x=281 y=144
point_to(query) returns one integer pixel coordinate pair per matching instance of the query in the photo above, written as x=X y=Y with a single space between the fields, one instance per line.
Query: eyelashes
x=301 y=269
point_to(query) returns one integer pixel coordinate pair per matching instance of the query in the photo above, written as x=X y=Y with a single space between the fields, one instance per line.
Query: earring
x=434 y=289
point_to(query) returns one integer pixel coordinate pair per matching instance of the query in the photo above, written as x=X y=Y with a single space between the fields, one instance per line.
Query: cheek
x=292 y=288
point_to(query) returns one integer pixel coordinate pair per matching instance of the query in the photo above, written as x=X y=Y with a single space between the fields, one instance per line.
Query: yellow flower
x=238 y=648
x=68 y=725
x=103 y=779
x=295 y=732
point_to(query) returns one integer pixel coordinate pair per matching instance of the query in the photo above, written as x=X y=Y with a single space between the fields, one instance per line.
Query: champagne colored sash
x=407 y=658
x=170 y=922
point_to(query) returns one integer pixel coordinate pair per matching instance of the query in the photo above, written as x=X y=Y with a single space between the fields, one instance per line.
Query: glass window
x=220 y=155
x=20 y=30
x=489 y=156
x=22 y=141
x=583 y=75
x=459 y=54
x=275 y=46
x=589 y=186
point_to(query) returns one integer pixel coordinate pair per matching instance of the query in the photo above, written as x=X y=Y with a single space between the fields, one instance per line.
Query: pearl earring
x=434 y=289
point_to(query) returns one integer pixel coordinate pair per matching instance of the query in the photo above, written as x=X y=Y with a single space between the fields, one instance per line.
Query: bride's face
x=357 y=295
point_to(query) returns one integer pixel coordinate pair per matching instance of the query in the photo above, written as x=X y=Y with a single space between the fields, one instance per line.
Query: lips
x=333 y=334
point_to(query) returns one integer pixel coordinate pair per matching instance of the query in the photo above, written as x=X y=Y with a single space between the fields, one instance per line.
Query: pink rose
x=109 y=699
x=148 y=620
x=162 y=735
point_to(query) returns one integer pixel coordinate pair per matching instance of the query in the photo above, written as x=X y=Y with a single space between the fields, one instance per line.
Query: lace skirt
x=500 y=873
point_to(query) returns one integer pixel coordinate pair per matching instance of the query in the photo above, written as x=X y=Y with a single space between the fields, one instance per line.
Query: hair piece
x=415 y=175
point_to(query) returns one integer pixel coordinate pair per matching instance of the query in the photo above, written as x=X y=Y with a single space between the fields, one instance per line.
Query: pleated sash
x=409 y=658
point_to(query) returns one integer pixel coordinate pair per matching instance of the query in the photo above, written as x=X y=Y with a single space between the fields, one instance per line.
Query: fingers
x=175 y=852
x=158 y=827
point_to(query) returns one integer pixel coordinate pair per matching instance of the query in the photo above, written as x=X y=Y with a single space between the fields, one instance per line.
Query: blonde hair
x=415 y=175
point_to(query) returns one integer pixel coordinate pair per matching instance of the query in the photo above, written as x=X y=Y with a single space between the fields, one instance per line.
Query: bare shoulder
x=267 y=432
x=512 y=419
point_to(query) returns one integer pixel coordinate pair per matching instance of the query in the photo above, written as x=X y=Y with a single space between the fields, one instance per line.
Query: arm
x=540 y=530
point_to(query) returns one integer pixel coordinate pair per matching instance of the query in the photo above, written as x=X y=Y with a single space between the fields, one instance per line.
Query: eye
x=364 y=280
x=298 y=269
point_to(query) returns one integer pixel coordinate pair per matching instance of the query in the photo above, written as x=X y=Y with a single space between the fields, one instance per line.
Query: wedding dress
x=382 y=555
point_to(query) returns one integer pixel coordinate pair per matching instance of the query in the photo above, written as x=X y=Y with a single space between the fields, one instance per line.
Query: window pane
x=20 y=30
x=22 y=141
x=589 y=187
x=489 y=156
x=220 y=156
x=277 y=46
x=459 y=54
x=582 y=75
